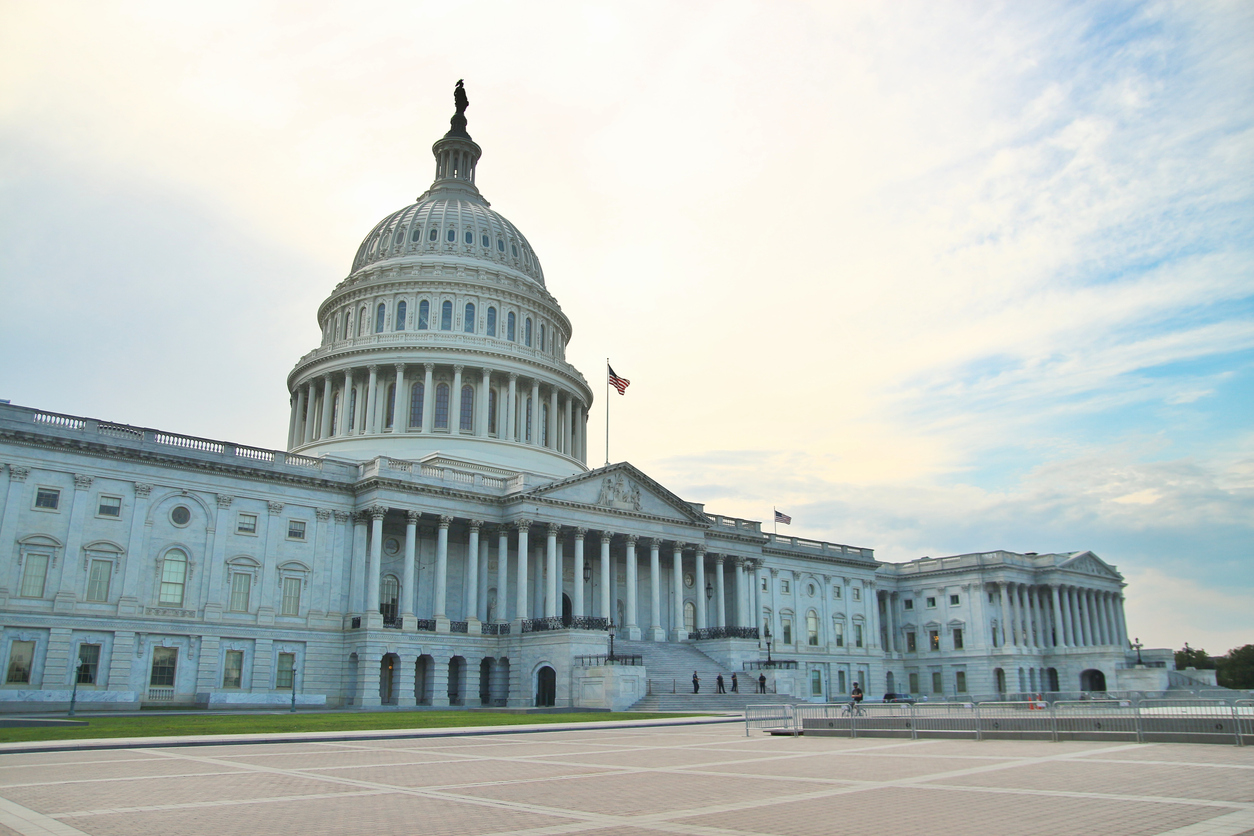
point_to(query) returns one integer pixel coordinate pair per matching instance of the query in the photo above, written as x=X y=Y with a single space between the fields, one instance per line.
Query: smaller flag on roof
x=619 y=383
x=783 y=518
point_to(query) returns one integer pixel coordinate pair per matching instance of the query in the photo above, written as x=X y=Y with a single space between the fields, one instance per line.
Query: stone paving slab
x=701 y=781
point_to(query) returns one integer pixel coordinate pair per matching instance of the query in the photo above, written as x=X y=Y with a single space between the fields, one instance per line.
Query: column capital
x=82 y=482
x=680 y=545
x=719 y=559
x=377 y=512
x=428 y=367
x=323 y=514
x=19 y=474
x=486 y=371
x=275 y=507
x=554 y=529
x=652 y=542
x=522 y=525
x=475 y=525
x=373 y=368
x=632 y=539
x=774 y=572
x=400 y=368
x=513 y=377
x=225 y=500
x=445 y=521
x=342 y=516
x=700 y=551
x=580 y=532
x=606 y=537
x=412 y=517
x=458 y=368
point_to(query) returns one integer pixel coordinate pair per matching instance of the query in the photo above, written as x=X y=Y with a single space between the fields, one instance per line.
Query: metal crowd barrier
x=771 y=718
x=1148 y=720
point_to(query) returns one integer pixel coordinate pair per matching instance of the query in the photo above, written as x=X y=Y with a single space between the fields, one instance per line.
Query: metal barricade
x=770 y=718
x=1026 y=720
x=946 y=719
x=884 y=719
x=1096 y=720
x=824 y=719
x=1189 y=721
x=1244 y=709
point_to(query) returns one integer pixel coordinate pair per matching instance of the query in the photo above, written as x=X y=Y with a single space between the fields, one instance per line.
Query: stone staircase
x=670 y=666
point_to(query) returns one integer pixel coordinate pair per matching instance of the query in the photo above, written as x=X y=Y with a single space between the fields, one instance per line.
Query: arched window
x=348 y=321
x=452 y=236
x=434 y=234
x=486 y=241
x=335 y=413
x=812 y=628
x=468 y=321
x=491 y=321
x=352 y=408
x=514 y=248
x=424 y=316
x=500 y=245
x=544 y=425
x=470 y=237
x=361 y=321
x=389 y=598
x=391 y=407
x=173 y=578
x=543 y=343
x=527 y=437
x=491 y=410
x=416 y=234
x=467 y=422
x=446 y=316
x=509 y=326
x=379 y=315
x=400 y=316
x=441 y=406
x=527 y=332
x=415 y=405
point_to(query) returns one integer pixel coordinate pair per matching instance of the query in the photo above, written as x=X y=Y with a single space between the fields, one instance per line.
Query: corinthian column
x=700 y=585
x=441 y=569
x=520 y=606
x=605 y=574
x=632 y=625
x=551 y=609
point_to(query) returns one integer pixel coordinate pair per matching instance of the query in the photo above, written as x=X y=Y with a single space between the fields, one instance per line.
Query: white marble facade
x=432 y=534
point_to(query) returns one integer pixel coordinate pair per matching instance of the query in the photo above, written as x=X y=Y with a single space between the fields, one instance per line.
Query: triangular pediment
x=620 y=488
x=1090 y=564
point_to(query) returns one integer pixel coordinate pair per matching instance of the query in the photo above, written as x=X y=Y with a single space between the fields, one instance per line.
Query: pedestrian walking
x=735 y=685
x=719 y=683
x=696 y=683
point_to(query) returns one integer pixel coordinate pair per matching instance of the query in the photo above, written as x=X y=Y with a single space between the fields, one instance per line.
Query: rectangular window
x=285 y=673
x=857 y=593
x=247 y=524
x=233 y=670
x=908 y=604
x=937 y=686
x=109 y=506
x=838 y=631
x=98 y=578
x=816 y=683
x=933 y=639
x=957 y=638
x=836 y=593
x=48 y=498
x=21 y=657
x=783 y=587
x=89 y=659
x=954 y=600
x=911 y=646
x=960 y=682
x=841 y=683
x=291 y=596
x=295 y=530
x=764 y=587
x=914 y=683
x=786 y=625
x=241 y=585
x=931 y=603
x=165 y=662
x=33 y=573
x=857 y=635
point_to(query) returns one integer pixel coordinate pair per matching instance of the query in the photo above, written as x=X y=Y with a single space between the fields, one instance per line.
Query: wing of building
x=434 y=536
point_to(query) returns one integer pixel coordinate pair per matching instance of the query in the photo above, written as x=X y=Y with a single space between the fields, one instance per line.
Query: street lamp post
x=1137 y=644
x=293 y=709
x=766 y=631
x=78 y=667
x=610 y=659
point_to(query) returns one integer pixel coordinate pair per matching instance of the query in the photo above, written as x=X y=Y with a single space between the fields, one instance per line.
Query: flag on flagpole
x=619 y=383
x=783 y=518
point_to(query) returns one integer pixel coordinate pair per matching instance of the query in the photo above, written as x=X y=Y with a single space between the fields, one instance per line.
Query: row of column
x=323 y=407
x=1056 y=615
x=544 y=597
x=770 y=610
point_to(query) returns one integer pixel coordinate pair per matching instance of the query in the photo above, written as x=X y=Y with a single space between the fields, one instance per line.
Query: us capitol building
x=433 y=534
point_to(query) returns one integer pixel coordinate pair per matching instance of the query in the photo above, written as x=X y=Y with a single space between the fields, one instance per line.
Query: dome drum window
x=470 y=237
x=434 y=235
x=452 y=235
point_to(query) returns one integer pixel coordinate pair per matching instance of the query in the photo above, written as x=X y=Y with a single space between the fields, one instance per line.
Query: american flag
x=619 y=383
x=783 y=518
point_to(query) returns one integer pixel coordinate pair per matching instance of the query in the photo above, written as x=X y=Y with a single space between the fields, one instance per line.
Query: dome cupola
x=443 y=340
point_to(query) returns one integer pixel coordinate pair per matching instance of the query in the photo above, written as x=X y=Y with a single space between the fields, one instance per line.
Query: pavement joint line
x=1174 y=763
x=4 y=787
x=1233 y=824
x=29 y=823
x=225 y=802
x=1106 y=796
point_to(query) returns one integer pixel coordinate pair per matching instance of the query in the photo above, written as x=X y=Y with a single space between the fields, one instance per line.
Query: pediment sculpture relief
x=619 y=492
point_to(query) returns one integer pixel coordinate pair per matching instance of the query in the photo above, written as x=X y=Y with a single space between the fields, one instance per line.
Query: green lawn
x=165 y=725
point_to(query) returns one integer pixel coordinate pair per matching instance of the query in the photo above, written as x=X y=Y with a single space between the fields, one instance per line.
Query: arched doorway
x=567 y=611
x=1051 y=676
x=350 y=690
x=1092 y=680
x=423 y=679
x=387 y=679
x=889 y=683
x=485 y=681
x=546 y=687
x=999 y=680
x=456 y=673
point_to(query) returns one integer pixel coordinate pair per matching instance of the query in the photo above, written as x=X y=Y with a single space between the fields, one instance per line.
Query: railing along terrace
x=458 y=627
x=427 y=624
x=724 y=633
x=393 y=622
x=540 y=625
x=616 y=659
x=772 y=665
x=819 y=545
x=496 y=628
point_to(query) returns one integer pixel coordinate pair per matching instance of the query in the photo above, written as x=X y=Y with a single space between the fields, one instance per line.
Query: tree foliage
x=1193 y=657
x=1236 y=670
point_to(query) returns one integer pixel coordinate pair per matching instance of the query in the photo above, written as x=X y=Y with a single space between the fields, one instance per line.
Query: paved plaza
x=709 y=780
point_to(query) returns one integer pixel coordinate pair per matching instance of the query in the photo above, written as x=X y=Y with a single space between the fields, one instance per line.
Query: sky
x=931 y=277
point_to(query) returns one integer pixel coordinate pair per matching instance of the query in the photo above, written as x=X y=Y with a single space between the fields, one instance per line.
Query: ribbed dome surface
x=425 y=228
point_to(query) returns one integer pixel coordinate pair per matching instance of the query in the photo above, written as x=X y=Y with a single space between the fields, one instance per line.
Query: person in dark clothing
x=735 y=685
x=761 y=683
x=696 y=683
x=718 y=682
x=856 y=693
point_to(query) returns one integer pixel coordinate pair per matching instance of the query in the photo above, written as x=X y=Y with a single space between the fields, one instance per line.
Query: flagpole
x=607 y=412
x=774 y=522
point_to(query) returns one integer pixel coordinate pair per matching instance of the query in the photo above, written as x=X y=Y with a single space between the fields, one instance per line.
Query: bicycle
x=853 y=709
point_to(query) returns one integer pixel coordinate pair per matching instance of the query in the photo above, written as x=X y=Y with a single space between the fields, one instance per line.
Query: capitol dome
x=443 y=342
